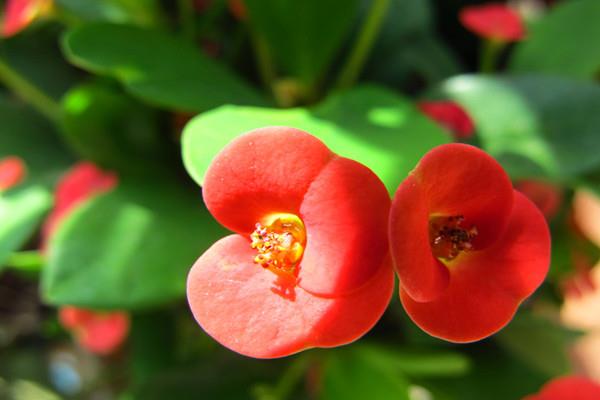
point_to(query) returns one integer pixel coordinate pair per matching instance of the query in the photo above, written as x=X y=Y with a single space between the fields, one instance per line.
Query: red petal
x=493 y=21
x=104 y=333
x=249 y=310
x=12 y=172
x=458 y=179
x=264 y=171
x=450 y=115
x=82 y=182
x=421 y=274
x=18 y=14
x=568 y=387
x=73 y=317
x=345 y=212
x=487 y=286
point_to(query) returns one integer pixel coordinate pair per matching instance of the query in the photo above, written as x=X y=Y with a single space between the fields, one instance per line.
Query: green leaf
x=539 y=342
x=156 y=67
x=362 y=372
x=20 y=212
x=564 y=42
x=130 y=248
x=536 y=126
x=368 y=124
x=105 y=126
x=25 y=134
x=303 y=36
x=139 y=12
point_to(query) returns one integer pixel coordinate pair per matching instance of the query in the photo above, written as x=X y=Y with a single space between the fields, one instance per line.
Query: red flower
x=494 y=21
x=18 y=14
x=309 y=263
x=12 y=172
x=99 y=332
x=79 y=184
x=450 y=115
x=467 y=247
x=568 y=388
x=238 y=9
x=546 y=196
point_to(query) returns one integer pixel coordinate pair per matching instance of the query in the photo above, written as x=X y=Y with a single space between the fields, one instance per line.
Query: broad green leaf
x=28 y=136
x=20 y=212
x=156 y=67
x=564 y=42
x=362 y=372
x=536 y=126
x=105 y=126
x=303 y=36
x=539 y=342
x=130 y=248
x=368 y=124
x=139 y=12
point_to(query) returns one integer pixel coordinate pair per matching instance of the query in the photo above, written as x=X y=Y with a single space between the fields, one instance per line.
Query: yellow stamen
x=279 y=240
x=448 y=238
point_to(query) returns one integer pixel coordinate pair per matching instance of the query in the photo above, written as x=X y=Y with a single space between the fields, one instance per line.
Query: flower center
x=279 y=240
x=448 y=238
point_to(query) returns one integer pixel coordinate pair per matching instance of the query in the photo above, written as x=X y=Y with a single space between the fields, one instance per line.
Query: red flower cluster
x=12 y=172
x=18 y=14
x=494 y=21
x=81 y=183
x=99 y=332
x=451 y=116
x=568 y=388
x=309 y=263
x=467 y=248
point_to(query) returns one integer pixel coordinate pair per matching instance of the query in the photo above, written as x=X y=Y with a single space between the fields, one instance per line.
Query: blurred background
x=110 y=111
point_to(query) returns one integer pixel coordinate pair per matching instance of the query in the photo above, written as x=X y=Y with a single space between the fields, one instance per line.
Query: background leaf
x=107 y=127
x=564 y=42
x=157 y=67
x=303 y=36
x=371 y=125
x=130 y=248
x=536 y=126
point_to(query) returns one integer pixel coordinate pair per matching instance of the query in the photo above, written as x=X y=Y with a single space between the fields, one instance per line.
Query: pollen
x=279 y=240
x=448 y=237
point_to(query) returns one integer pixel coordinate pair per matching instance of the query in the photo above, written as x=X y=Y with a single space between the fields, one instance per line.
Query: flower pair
x=309 y=265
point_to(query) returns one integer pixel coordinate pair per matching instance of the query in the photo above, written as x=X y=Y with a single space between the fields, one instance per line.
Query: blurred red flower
x=12 y=172
x=83 y=181
x=545 y=195
x=309 y=265
x=469 y=249
x=494 y=21
x=18 y=14
x=97 y=331
x=568 y=388
x=450 y=115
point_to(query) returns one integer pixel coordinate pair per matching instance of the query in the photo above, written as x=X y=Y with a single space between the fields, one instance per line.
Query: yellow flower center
x=279 y=240
x=448 y=238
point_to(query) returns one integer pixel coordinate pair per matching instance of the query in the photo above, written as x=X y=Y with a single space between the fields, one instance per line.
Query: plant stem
x=29 y=261
x=490 y=51
x=363 y=44
x=29 y=92
x=291 y=376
